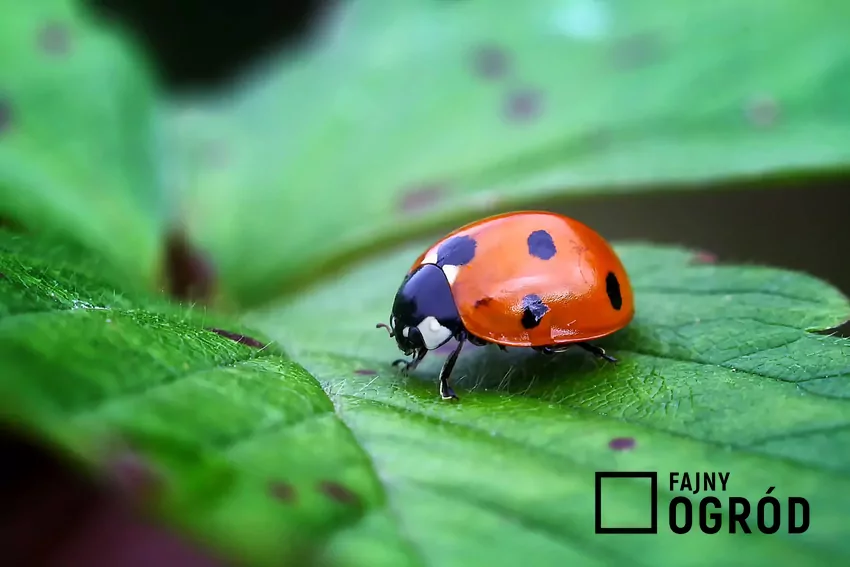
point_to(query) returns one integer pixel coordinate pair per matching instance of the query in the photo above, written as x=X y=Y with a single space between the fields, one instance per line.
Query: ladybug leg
x=597 y=351
x=410 y=365
x=446 y=391
x=550 y=350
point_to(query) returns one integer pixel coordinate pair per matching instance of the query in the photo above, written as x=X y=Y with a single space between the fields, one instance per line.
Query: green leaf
x=355 y=465
x=717 y=373
x=389 y=125
x=78 y=151
x=241 y=445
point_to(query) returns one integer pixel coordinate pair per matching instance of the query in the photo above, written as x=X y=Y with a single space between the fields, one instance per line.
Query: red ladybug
x=522 y=279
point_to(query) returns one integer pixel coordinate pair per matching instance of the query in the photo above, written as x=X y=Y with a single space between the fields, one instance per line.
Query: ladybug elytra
x=524 y=279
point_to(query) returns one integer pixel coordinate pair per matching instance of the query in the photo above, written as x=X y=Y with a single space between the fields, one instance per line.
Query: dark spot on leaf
x=490 y=62
x=189 y=274
x=636 y=51
x=282 y=491
x=214 y=154
x=523 y=105
x=132 y=474
x=241 y=339
x=612 y=288
x=703 y=257
x=622 y=443
x=421 y=198
x=12 y=225
x=762 y=111
x=533 y=310
x=483 y=302
x=5 y=114
x=541 y=245
x=2 y=276
x=366 y=372
x=456 y=251
x=55 y=39
x=596 y=139
x=338 y=492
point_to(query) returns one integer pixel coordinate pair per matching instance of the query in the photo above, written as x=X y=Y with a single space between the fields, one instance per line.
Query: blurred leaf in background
x=79 y=150
x=415 y=114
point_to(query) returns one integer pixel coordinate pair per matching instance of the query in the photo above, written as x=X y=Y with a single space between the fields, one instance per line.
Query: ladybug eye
x=405 y=332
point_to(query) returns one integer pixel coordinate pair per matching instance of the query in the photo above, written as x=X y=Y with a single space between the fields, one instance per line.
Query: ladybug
x=523 y=279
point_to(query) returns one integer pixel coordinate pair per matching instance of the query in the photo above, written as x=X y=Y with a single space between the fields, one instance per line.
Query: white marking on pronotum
x=433 y=333
x=451 y=273
x=405 y=332
x=450 y=270
x=431 y=258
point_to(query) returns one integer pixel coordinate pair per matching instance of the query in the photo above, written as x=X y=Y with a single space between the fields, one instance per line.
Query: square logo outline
x=653 y=478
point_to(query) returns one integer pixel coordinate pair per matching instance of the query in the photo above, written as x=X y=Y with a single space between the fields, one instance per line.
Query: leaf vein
x=569 y=539
x=670 y=357
x=166 y=382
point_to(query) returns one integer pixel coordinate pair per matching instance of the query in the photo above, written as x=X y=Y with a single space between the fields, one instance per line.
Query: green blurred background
x=801 y=225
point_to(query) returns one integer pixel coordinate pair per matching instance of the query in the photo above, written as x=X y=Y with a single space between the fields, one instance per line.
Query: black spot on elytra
x=533 y=310
x=241 y=339
x=541 y=245
x=282 y=491
x=456 y=251
x=483 y=302
x=612 y=287
x=490 y=62
x=338 y=492
x=54 y=38
x=421 y=198
x=366 y=372
x=622 y=443
x=523 y=105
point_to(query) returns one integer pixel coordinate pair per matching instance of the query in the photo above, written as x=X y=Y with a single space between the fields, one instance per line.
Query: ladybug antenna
x=385 y=326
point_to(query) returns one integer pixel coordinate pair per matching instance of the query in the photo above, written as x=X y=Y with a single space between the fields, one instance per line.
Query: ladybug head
x=424 y=315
